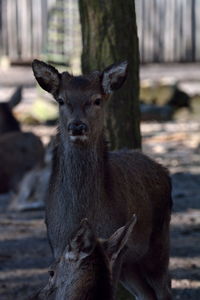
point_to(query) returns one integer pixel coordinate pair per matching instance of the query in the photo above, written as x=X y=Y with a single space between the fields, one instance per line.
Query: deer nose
x=77 y=128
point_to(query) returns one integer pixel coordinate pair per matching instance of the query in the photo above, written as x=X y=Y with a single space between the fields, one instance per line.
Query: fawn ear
x=46 y=75
x=117 y=242
x=82 y=244
x=15 y=98
x=114 y=76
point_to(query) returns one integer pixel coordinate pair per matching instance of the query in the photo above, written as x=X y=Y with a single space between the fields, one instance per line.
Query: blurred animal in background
x=152 y=112
x=33 y=187
x=8 y=122
x=84 y=270
x=19 y=151
x=179 y=99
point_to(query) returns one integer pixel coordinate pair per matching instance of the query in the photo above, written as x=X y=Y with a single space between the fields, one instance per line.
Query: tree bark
x=109 y=34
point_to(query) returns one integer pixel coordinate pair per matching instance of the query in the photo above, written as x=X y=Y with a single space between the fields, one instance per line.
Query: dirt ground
x=24 y=251
x=177 y=146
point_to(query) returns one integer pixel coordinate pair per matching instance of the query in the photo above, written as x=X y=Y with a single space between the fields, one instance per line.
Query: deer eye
x=97 y=101
x=60 y=101
x=51 y=273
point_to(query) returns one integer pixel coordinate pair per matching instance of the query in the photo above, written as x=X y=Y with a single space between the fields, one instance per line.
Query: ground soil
x=177 y=146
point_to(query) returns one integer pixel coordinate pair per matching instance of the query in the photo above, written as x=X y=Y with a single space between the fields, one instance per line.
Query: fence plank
x=168 y=30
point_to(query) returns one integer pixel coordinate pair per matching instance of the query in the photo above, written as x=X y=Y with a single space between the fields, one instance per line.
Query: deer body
x=106 y=187
x=19 y=151
x=84 y=176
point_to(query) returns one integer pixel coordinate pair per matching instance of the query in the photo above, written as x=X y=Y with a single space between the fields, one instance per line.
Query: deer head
x=81 y=99
x=84 y=271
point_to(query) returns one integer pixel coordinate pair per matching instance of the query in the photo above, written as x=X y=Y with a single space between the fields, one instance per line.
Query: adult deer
x=84 y=271
x=106 y=187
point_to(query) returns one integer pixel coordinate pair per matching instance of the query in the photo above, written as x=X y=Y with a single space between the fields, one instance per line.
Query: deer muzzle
x=77 y=130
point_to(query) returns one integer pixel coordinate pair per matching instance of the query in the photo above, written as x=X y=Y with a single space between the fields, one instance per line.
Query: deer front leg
x=134 y=282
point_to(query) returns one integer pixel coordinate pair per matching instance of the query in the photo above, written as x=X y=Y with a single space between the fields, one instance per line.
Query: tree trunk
x=109 y=34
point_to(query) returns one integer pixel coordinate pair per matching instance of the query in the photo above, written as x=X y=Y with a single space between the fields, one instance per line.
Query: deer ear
x=114 y=76
x=117 y=242
x=82 y=244
x=15 y=98
x=46 y=75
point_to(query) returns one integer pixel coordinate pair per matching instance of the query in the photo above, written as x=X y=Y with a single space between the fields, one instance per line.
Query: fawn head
x=84 y=271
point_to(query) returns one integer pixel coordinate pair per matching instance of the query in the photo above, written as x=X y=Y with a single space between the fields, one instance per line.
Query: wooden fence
x=29 y=28
x=23 y=28
x=169 y=30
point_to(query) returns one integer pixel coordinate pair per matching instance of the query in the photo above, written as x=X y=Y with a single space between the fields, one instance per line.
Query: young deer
x=84 y=271
x=106 y=187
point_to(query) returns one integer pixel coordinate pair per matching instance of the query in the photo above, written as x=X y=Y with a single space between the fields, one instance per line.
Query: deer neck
x=82 y=174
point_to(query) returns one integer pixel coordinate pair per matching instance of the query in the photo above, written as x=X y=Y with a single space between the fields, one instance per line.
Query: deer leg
x=116 y=274
x=154 y=266
x=160 y=283
x=135 y=283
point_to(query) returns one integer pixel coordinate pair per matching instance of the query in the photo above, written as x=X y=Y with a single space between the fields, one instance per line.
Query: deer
x=178 y=100
x=19 y=151
x=33 y=187
x=84 y=270
x=106 y=187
